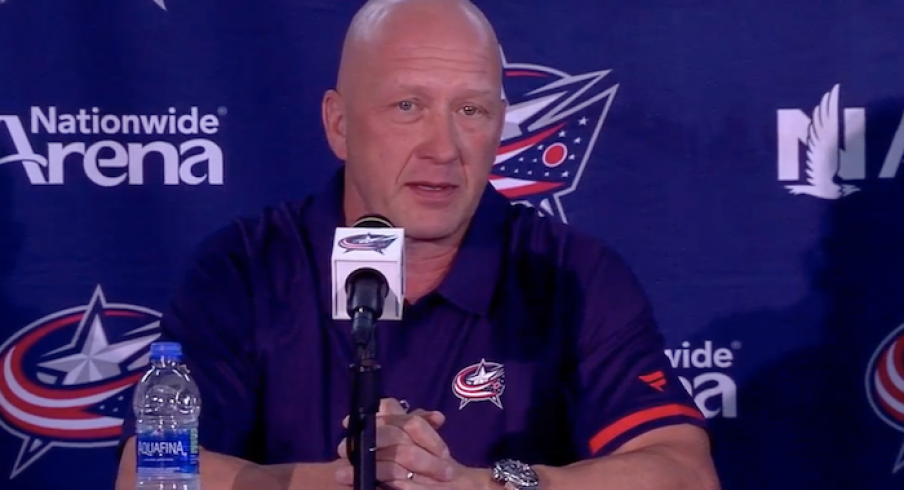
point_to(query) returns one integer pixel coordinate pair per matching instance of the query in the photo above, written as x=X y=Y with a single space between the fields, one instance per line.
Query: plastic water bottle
x=167 y=405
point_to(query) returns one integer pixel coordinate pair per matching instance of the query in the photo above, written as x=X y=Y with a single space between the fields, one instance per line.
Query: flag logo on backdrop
x=66 y=379
x=885 y=385
x=822 y=152
x=551 y=126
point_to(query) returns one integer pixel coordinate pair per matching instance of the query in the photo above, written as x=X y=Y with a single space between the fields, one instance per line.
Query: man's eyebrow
x=467 y=92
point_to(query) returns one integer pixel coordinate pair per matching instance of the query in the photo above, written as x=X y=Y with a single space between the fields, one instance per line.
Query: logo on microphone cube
x=381 y=249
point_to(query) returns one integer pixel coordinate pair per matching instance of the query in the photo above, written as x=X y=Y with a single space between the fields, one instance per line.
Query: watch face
x=515 y=474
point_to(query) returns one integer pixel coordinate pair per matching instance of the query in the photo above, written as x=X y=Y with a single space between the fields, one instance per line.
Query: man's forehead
x=408 y=37
x=397 y=24
x=381 y=16
x=466 y=74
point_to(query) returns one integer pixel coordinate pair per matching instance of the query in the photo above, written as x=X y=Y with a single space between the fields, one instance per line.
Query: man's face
x=422 y=125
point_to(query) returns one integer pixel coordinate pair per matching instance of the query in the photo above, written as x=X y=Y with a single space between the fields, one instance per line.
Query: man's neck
x=426 y=264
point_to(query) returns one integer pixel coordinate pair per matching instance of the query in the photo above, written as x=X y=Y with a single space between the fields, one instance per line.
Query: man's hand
x=411 y=454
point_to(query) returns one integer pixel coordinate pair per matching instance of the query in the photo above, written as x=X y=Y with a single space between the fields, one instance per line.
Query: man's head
x=417 y=113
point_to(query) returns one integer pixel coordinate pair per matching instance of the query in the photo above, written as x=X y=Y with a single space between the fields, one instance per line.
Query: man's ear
x=332 y=113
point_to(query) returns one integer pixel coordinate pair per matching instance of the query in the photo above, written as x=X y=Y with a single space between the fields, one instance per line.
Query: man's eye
x=470 y=110
x=406 y=105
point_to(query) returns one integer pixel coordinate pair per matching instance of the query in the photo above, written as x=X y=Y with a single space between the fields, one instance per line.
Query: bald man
x=527 y=357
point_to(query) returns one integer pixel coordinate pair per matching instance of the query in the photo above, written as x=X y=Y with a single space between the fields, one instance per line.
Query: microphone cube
x=380 y=249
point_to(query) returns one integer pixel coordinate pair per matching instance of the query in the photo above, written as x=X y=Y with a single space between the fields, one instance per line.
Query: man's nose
x=442 y=142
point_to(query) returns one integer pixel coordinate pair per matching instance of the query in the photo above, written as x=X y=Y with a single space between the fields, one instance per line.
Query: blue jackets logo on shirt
x=66 y=379
x=484 y=381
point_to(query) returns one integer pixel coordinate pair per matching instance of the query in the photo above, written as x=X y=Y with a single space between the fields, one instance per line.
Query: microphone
x=368 y=266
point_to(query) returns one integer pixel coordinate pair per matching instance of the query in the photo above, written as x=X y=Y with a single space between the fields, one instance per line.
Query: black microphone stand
x=366 y=295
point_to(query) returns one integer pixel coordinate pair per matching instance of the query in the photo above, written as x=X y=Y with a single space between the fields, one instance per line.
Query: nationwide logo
x=551 y=126
x=829 y=144
x=885 y=385
x=366 y=241
x=66 y=379
x=113 y=149
x=715 y=392
x=484 y=381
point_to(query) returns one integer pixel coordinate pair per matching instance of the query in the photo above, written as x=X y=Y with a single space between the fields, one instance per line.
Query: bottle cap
x=167 y=350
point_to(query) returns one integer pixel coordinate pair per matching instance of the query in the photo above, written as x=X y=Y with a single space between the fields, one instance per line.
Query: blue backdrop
x=743 y=156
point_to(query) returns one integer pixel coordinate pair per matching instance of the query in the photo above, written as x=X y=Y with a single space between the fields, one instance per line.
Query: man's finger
x=388 y=406
x=436 y=418
x=386 y=435
x=421 y=433
x=419 y=461
x=413 y=485
x=391 y=406
x=389 y=471
x=393 y=474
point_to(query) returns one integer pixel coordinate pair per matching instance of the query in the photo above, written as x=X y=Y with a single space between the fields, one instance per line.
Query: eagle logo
x=823 y=154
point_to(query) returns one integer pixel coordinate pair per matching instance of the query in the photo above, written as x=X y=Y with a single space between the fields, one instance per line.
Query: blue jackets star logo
x=484 y=381
x=66 y=380
x=551 y=126
x=367 y=241
x=885 y=385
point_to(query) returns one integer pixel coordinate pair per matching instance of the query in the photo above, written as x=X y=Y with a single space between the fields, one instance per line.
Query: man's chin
x=425 y=230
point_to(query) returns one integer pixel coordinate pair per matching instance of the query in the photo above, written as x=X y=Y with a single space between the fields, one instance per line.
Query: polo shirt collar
x=471 y=281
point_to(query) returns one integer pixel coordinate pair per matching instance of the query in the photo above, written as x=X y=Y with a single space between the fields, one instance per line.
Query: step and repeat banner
x=743 y=156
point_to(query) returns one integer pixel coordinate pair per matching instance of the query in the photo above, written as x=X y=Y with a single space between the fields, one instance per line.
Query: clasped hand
x=410 y=452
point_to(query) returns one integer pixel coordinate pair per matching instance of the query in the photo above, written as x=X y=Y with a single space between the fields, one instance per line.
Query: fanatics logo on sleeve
x=484 y=381
x=655 y=380
x=66 y=379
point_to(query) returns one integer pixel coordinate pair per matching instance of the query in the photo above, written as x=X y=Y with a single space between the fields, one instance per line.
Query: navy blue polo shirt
x=539 y=344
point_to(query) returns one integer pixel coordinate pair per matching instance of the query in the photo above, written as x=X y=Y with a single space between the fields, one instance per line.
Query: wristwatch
x=515 y=475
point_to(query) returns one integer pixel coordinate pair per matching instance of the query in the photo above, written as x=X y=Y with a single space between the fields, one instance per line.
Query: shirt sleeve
x=625 y=385
x=212 y=317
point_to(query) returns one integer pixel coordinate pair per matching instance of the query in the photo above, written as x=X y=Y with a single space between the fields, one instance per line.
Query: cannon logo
x=66 y=380
x=112 y=162
x=885 y=385
x=701 y=370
